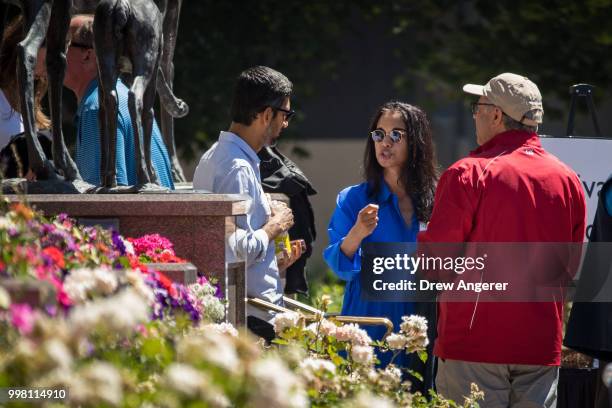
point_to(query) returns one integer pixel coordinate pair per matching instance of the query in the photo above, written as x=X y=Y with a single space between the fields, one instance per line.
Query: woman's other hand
x=366 y=223
x=367 y=220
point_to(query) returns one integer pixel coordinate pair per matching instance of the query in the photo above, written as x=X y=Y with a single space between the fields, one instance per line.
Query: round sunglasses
x=395 y=135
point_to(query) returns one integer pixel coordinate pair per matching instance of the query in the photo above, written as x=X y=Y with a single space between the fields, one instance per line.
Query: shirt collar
x=511 y=139
x=384 y=193
x=90 y=89
x=230 y=137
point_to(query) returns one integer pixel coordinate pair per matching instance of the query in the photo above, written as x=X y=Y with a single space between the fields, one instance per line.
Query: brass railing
x=312 y=314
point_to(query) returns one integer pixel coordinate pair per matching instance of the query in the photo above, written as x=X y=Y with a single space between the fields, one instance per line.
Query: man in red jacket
x=508 y=190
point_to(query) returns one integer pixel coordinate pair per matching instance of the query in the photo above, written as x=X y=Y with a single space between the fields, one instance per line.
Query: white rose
x=103 y=382
x=136 y=279
x=222 y=328
x=391 y=375
x=285 y=320
x=414 y=324
x=83 y=283
x=367 y=400
x=185 y=379
x=354 y=334
x=6 y=223
x=209 y=346
x=277 y=386
x=362 y=354
x=58 y=353
x=5 y=298
x=120 y=313
x=213 y=309
x=327 y=328
x=318 y=365
x=396 y=341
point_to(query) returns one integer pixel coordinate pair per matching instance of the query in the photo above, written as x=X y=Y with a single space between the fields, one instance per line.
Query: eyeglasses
x=475 y=105
x=395 y=135
x=288 y=113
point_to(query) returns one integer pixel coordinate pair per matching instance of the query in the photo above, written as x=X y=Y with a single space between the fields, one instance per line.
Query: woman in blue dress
x=389 y=206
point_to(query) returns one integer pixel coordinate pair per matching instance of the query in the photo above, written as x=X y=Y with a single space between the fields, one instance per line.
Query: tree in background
x=217 y=40
x=443 y=44
x=556 y=43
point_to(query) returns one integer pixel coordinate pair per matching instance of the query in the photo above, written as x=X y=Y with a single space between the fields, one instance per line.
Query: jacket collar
x=510 y=139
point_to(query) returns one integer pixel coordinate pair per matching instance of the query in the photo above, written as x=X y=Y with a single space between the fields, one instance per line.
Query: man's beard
x=271 y=139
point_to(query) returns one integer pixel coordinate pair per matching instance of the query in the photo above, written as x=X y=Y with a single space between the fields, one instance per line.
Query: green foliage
x=556 y=44
x=327 y=285
x=442 y=43
x=217 y=40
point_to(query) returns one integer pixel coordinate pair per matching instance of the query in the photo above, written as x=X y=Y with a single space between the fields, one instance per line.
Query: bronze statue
x=50 y=19
x=135 y=30
x=171 y=13
x=132 y=28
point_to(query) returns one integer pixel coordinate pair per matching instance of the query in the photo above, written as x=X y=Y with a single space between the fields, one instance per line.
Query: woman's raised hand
x=367 y=220
x=366 y=223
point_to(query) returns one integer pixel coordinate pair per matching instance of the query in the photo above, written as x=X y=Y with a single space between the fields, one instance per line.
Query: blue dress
x=391 y=228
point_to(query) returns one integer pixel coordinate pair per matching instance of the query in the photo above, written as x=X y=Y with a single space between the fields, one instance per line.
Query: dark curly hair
x=419 y=174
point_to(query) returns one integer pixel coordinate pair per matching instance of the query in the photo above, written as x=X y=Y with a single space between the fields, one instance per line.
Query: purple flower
x=118 y=242
x=218 y=293
x=51 y=310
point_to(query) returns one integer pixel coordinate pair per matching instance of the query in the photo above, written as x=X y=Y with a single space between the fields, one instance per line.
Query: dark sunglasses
x=288 y=113
x=396 y=135
x=474 y=106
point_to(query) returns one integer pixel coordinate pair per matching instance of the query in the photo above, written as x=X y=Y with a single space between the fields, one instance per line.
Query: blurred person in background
x=13 y=150
x=82 y=79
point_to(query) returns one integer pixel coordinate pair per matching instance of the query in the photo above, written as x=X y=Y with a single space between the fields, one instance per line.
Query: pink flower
x=142 y=329
x=22 y=317
x=151 y=243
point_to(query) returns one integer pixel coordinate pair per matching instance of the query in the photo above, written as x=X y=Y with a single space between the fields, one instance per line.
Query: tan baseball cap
x=515 y=95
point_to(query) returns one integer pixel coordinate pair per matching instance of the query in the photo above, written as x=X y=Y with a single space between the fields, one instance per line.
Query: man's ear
x=499 y=116
x=267 y=115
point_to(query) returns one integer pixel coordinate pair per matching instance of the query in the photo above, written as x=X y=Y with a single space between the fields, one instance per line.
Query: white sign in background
x=591 y=159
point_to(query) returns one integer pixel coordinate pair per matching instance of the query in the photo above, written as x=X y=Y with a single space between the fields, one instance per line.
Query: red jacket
x=507 y=190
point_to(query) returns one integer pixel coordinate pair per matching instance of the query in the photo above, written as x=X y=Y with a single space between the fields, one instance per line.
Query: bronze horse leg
x=36 y=14
x=56 y=69
x=107 y=34
x=171 y=21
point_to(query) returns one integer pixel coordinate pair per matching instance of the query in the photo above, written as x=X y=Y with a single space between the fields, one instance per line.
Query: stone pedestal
x=198 y=224
x=37 y=294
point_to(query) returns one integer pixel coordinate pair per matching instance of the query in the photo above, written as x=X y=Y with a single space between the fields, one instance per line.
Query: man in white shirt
x=260 y=111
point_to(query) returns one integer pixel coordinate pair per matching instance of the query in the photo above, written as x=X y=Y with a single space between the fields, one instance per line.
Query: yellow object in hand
x=282 y=242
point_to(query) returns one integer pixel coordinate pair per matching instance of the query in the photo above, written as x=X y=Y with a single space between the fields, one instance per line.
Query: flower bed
x=84 y=263
x=125 y=335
